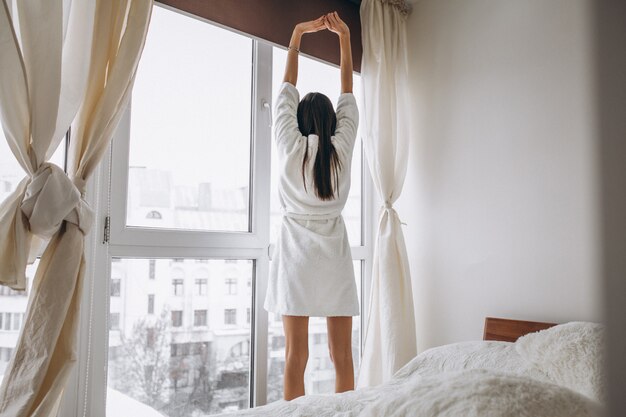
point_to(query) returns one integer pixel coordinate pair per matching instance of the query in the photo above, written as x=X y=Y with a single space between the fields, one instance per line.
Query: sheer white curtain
x=61 y=62
x=390 y=330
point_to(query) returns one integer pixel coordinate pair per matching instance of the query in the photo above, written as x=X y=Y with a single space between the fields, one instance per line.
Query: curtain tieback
x=388 y=205
x=51 y=197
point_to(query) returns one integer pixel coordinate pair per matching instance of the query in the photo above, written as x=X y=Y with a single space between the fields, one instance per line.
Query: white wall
x=501 y=195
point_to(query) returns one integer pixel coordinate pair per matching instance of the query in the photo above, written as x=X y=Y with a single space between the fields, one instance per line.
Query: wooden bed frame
x=506 y=330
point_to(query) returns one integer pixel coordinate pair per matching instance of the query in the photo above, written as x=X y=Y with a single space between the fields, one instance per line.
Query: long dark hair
x=317 y=116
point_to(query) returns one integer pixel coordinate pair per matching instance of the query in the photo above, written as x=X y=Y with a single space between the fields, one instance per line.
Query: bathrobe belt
x=311 y=216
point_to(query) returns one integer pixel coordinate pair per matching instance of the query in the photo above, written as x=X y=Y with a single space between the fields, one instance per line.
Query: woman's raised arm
x=334 y=23
x=291 y=68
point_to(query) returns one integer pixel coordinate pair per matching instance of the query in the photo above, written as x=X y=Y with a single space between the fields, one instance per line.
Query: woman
x=312 y=272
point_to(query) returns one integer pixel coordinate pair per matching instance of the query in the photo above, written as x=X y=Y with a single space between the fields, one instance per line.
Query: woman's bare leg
x=296 y=354
x=340 y=345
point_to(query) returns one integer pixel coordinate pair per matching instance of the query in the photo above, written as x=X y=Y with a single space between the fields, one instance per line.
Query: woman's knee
x=341 y=357
x=297 y=358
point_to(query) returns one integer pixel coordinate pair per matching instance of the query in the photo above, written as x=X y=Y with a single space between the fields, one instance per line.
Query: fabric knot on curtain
x=52 y=197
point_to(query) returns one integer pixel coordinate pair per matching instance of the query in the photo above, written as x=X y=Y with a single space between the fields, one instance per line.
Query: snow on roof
x=119 y=404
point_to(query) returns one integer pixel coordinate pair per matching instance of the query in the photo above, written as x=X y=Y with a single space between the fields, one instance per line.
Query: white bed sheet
x=496 y=356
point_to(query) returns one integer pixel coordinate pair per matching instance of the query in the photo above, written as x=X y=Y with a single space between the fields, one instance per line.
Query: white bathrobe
x=311 y=273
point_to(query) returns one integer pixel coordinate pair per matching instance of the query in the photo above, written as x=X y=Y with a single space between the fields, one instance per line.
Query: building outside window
x=115 y=287
x=177 y=318
x=152 y=271
x=17 y=320
x=114 y=321
x=231 y=286
x=154 y=215
x=199 y=318
x=180 y=349
x=5 y=354
x=201 y=286
x=150 y=303
x=177 y=286
x=230 y=316
x=150 y=337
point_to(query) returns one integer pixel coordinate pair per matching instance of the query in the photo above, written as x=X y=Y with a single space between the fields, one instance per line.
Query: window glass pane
x=12 y=313
x=189 y=163
x=183 y=360
x=319 y=377
x=324 y=78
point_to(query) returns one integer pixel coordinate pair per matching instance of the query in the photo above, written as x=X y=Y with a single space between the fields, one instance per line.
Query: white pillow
x=570 y=355
x=481 y=393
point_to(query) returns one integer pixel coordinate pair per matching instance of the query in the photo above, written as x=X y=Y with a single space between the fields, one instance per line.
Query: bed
x=519 y=369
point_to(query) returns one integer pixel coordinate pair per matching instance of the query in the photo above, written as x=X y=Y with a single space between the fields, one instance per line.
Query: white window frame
x=87 y=397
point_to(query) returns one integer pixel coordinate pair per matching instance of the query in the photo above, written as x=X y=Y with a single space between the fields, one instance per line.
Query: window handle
x=267 y=106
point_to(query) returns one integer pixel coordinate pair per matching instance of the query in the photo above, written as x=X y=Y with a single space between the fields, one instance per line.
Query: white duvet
x=472 y=379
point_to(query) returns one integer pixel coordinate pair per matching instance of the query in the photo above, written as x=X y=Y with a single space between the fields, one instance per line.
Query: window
x=194 y=96
x=231 y=286
x=154 y=215
x=150 y=303
x=115 y=287
x=177 y=318
x=208 y=251
x=17 y=320
x=150 y=337
x=201 y=284
x=230 y=316
x=199 y=318
x=180 y=349
x=7 y=321
x=152 y=270
x=5 y=354
x=114 y=321
x=177 y=286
